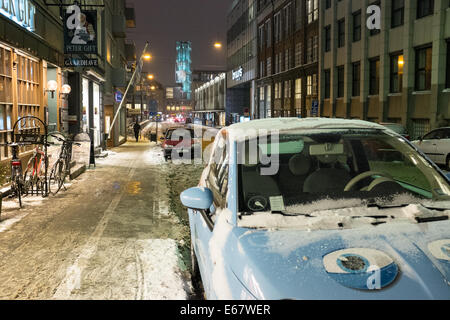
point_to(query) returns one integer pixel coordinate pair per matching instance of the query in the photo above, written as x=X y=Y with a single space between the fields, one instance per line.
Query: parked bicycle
x=18 y=186
x=61 y=168
x=34 y=177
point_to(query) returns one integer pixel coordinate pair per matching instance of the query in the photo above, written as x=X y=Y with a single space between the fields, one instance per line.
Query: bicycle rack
x=29 y=133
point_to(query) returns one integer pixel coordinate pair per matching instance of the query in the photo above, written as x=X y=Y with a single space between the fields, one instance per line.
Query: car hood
x=290 y=264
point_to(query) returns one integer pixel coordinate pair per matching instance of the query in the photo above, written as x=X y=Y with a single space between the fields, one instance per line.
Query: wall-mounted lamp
x=66 y=89
x=52 y=86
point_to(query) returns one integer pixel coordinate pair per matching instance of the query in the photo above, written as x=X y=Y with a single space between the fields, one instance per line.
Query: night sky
x=163 y=22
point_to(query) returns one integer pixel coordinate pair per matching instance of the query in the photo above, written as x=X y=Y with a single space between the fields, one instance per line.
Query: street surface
x=118 y=232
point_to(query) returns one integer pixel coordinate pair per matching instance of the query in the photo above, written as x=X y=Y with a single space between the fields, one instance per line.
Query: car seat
x=331 y=176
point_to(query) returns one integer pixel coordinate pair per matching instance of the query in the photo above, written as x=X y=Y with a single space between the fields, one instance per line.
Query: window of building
x=298 y=54
x=269 y=66
x=309 y=50
x=424 y=8
x=6 y=98
x=298 y=96
x=341 y=33
x=327 y=84
x=374 y=76
x=315 y=53
x=287 y=19
x=396 y=76
x=357 y=26
x=268 y=33
x=261 y=39
x=423 y=69
x=287 y=89
x=298 y=14
x=309 y=85
x=277 y=27
x=340 y=81
x=356 y=79
x=312 y=10
x=327 y=45
x=398 y=12
x=447 y=82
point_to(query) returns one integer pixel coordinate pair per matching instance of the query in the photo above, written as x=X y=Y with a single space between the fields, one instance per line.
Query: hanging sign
x=80 y=31
x=76 y=62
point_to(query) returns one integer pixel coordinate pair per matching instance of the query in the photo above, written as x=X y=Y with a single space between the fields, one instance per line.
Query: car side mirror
x=197 y=198
x=448 y=175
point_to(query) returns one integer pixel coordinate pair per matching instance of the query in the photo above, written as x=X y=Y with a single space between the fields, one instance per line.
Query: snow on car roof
x=285 y=124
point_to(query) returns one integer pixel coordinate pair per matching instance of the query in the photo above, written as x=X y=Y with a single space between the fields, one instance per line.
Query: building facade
x=210 y=101
x=31 y=55
x=241 y=61
x=288 y=58
x=399 y=73
x=183 y=72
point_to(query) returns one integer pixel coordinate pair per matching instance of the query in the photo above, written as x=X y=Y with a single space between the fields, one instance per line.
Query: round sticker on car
x=440 y=249
x=361 y=268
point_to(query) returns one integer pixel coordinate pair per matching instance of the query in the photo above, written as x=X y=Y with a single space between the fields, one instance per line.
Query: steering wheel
x=363 y=176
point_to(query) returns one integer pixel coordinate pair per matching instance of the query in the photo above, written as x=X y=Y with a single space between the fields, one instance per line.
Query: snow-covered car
x=436 y=145
x=314 y=209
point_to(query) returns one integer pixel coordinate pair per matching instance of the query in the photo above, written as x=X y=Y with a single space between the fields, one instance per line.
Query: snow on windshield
x=329 y=214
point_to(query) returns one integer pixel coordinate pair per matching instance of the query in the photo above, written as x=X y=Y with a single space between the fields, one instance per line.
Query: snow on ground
x=160 y=270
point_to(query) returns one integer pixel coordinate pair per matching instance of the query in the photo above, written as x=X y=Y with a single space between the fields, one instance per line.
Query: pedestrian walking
x=137 y=130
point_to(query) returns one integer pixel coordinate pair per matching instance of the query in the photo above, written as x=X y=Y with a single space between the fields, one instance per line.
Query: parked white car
x=436 y=145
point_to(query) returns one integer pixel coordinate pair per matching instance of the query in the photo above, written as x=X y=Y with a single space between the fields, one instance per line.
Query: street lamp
x=150 y=77
x=218 y=45
x=147 y=56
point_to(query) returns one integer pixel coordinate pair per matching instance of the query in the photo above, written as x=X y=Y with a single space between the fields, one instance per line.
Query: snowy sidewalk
x=110 y=236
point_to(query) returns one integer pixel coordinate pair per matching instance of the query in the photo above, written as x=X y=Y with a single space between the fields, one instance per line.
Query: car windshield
x=304 y=172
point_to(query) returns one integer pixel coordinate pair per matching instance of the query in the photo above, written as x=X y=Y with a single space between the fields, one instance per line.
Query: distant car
x=397 y=128
x=436 y=145
x=313 y=209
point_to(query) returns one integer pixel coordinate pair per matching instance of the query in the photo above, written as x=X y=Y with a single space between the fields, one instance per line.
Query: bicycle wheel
x=17 y=189
x=57 y=177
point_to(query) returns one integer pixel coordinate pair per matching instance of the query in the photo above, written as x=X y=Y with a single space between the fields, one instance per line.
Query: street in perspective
x=224 y=150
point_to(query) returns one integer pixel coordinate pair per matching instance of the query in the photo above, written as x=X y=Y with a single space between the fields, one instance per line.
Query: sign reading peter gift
x=80 y=31
x=21 y=12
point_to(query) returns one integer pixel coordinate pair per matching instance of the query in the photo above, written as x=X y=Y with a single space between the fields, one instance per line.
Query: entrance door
x=109 y=115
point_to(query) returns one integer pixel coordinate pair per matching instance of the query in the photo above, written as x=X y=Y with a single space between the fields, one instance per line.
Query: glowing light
x=150 y=77
x=147 y=56
x=217 y=45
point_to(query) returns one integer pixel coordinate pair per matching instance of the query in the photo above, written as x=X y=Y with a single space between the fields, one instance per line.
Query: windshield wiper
x=292 y=214
x=386 y=206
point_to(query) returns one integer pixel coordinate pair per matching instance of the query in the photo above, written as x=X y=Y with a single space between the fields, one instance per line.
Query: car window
x=383 y=157
x=218 y=174
x=446 y=134
x=430 y=136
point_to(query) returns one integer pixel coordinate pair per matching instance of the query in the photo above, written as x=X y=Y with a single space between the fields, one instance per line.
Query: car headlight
x=361 y=268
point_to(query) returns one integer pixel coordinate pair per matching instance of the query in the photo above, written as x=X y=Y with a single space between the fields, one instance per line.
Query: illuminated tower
x=183 y=67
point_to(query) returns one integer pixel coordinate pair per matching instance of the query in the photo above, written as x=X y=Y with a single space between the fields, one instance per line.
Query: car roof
x=288 y=124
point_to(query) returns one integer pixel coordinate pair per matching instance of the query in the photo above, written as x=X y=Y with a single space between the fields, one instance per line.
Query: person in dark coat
x=137 y=129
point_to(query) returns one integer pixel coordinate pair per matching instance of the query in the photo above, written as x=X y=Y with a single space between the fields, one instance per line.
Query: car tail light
x=16 y=163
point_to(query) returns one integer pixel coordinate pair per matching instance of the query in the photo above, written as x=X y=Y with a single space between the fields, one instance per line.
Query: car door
x=217 y=181
x=428 y=145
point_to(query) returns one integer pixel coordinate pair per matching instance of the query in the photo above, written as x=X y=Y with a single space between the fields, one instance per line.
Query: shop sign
x=118 y=96
x=315 y=108
x=237 y=75
x=21 y=12
x=80 y=31
x=75 y=62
